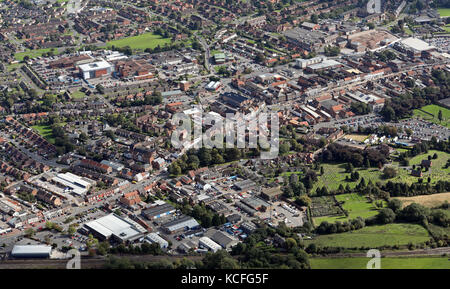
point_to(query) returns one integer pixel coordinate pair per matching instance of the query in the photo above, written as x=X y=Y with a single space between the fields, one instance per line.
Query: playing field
x=356 y=205
x=444 y=12
x=143 y=41
x=434 y=110
x=46 y=132
x=356 y=137
x=385 y=263
x=374 y=237
x=33 y=53
x=426 y=200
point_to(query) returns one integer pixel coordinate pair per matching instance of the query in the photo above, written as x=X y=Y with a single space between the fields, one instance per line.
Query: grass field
x=426 y=200
x=444 y=12
x=434 y=110
x=334 y=175
x=356 y=205
x=374 y=236
x=46 y=132
x=385 y=263
x=356 y=137
x=143 y=41
x=33 y=53
x=77 y=94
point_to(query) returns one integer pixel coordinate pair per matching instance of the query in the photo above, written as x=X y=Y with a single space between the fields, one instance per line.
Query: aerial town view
x=224 y=134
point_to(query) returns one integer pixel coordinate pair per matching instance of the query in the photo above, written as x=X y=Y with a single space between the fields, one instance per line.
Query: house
x=131 y=198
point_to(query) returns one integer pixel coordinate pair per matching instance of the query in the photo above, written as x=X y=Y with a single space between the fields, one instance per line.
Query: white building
x=209 y=244
x=95 y=69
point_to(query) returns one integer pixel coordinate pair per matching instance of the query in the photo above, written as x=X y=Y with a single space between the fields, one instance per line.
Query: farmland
x=430 y=113
x=386 y=263
x=355 y=205
x=426 y=200
x=375 y=236
x=143 y=41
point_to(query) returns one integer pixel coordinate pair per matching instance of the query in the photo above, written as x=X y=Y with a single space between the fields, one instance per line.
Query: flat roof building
x=31 y=251
x=118 y=228
x=209 y=244
x=158 y=211
x=95 y=69
x=155 y=238
x=183 y=223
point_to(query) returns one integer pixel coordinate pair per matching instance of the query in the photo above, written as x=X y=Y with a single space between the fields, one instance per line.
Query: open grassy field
x=45 y=131
x=356 y=205
x=434 y=110
x=375 y=236
x=33 y=53
x=77 y=94
x=334 y=175
x=426 y=200
x=356 y=137
x=143 y=41
x=386 y=263
x=444 y=12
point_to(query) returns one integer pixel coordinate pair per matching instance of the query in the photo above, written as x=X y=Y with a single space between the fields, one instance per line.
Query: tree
x=386 y=216
x=395 y=205
x=389 y=173
x=29 y=232
x=440 y=115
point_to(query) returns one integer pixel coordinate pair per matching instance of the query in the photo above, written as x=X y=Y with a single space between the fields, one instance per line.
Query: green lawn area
x=356 y=205
x=334 y=175
x=385 y=263
x=214 y=52
x=444 y=12
x=33 y=53
x=374 y=236
x=77 y=94
x=437 y=171
x=143 y=41
x=45 y=131
x=434 y=110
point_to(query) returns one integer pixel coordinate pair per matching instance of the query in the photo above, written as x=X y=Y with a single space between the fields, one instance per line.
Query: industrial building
x=95 y=69
x=209 y=244
x=31 y=251
x=155 y=238
x=158 y=211
x=183 y=223
x=115 y=227
x=73 y=183
x=224 y=240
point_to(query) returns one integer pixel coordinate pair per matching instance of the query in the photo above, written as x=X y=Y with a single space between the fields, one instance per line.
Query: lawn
x=356 y=205
x=334 y=175
x=77 y=94
x=434 y=110
x=444 y=12
x=33 y=53
x=374 y=237
x=46 y=132
x=143 y=41
x=385 y=263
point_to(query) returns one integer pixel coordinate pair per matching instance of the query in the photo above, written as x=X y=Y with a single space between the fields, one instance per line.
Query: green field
x=444 y=12
x=33 y=53
x=143 y=41
x=46 y=132
x=334 y=175
x=374 y=237
x=77 y=94
x=385 y=263
x=434 y=110
x=356 y=205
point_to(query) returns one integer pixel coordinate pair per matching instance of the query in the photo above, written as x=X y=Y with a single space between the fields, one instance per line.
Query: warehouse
x=115 y=227
x=158 y=211
x=209 y=244
x=224 y=240
x=183 y=223
x=95 y=69
x=73 y=183
x=155 y=238
x=31 y=251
